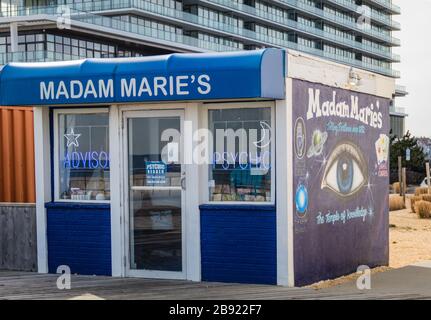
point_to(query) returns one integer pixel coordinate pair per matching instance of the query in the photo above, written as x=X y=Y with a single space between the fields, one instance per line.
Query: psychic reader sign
x=155 y=172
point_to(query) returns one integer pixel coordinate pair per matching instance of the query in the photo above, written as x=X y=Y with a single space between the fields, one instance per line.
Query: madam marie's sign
x=158 y=86
x=369 y=115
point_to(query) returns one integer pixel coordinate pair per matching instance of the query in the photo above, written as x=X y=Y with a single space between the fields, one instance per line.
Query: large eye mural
x=345 y=172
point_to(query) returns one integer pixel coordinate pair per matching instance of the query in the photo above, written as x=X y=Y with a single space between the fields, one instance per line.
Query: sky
x=415 y=64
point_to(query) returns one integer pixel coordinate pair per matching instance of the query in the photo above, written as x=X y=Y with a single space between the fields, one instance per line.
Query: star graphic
x=72 y=138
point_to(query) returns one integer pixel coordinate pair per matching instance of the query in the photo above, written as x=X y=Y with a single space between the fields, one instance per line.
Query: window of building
x=397 y=126
x=81 y=155
x=241 y=162
x=69 y=48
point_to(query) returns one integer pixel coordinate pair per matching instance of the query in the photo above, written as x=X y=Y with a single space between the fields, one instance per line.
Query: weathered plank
x=18 y=249
x=21 y=285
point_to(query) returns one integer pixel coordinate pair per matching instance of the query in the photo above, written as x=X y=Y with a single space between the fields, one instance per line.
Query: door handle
x=183 y=183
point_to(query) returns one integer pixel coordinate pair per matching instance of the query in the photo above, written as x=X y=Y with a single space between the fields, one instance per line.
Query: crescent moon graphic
x=263 y=124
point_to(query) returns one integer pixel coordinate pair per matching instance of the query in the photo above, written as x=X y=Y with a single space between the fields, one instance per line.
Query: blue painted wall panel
x=238 y=244
x=79 y=236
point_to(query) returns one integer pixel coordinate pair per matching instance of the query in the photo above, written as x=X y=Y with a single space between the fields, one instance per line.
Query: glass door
x=156 y=180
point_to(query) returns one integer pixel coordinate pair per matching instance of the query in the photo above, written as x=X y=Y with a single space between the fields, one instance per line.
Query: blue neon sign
x=86 y=160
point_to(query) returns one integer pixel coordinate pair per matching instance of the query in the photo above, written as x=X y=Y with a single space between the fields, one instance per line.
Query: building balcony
x=314 y=12
x=30 y=56
x=387 y=5
x=289 y=25
x=398 y=111
x=383 y=20
x=400 y=91
x=241 y=34
x=248 y=12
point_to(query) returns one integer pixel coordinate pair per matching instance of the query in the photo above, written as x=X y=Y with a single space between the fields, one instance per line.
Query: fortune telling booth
x=262 y=166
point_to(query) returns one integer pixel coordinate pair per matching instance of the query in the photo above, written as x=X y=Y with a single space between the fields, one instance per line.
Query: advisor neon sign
x=83 y=160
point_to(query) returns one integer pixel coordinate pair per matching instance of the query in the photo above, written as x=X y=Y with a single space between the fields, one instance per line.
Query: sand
x=409 y=243
x=410 y=239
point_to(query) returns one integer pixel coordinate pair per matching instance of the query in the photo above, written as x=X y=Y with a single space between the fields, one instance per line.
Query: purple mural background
x=340 y=181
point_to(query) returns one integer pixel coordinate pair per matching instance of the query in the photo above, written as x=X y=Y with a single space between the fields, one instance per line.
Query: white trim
x=124 y=180
x=146 y=188
x=192 y=217
x=56 y=141
x=86 y=110
x=290 y=205
x=204 y=168
x=282 y=190
x=83 y=201
x=314 y=69
x=43 y=182
x=239 y=105
x=151 y=106
x=117 y=230
x=149 y=111
x=246 y=203
x=154 y=274
x=205 y=176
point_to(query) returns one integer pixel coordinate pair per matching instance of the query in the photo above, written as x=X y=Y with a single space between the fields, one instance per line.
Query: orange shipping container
x=17 y=177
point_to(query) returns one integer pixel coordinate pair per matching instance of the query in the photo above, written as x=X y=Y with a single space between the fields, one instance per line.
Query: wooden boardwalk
x=21 y=285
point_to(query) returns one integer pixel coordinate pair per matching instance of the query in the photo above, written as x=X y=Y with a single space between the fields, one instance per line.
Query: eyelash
x=343 y=148
x=346 y=148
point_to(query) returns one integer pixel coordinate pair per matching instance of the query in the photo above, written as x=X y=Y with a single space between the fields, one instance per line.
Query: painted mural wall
x=341 y=149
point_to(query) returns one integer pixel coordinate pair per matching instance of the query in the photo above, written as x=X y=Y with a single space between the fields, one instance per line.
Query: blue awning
x=174 y=77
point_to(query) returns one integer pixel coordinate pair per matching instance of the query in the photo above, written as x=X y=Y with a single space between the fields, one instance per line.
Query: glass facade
x=83 y=155
x=340 y=30
x=155 y=195
x=241 y=161
x=57 y=47
x=397 y=126
x=29 y=42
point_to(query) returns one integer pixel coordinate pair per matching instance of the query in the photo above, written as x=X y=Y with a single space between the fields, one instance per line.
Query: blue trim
x=237 y=207
x=174 y=77
x=76 y=205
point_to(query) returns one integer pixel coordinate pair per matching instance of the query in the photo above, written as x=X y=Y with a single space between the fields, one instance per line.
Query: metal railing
x=297 y=26
x=27 y=56
x=386 y=20
x=302 y=6
x=116 y=24
x=156 y=34
x=104 y=5
x=398 y=110
x=389 y=5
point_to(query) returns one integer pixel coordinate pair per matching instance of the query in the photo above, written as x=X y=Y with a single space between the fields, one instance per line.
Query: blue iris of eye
x=345 y=173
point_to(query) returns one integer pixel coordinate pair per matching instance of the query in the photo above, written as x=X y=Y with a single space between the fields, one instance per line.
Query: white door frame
x=145 y=113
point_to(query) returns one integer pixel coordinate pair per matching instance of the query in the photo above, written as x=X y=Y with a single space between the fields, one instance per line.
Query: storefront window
x=240 y=168
x=83 y=156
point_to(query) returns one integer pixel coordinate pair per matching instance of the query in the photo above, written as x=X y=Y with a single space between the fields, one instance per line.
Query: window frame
x=243 y=105
x=56 y=150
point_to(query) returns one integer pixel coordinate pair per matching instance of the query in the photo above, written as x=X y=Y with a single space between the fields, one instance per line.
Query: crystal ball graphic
x=301 y=199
